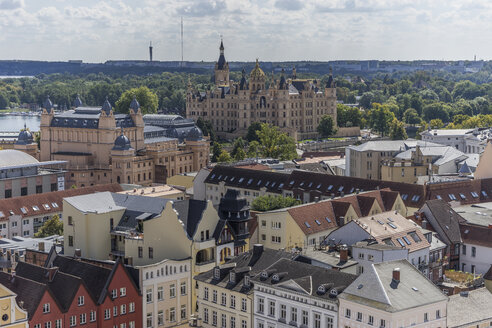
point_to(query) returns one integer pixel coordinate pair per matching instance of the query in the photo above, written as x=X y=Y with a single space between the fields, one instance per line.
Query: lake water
x=16 y=123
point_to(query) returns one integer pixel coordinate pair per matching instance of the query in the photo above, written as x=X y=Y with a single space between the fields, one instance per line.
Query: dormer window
x=264 y=275
x=216 y=273
x=321 y=289
x=232 y=277
x=276 y=277
x=247 y=282
x=333 y=292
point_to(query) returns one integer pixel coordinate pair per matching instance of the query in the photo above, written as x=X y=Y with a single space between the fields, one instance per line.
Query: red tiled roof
x=45 y=202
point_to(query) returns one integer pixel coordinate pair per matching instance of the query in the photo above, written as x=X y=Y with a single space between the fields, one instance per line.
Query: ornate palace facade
x=102 y=146
x=294 y=105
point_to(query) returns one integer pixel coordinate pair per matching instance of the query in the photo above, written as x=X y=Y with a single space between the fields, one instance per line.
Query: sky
x=270 y=30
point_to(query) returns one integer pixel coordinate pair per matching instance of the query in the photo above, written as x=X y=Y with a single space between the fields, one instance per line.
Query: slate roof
x=87 y=118
x=252 y=263
x=465 y=311
x=62 y=286
x=15 y=204
x=375 y=288
x=392 y=145
x=307 y=277
x=190 y=212
x=447 y=220
x=28 y=291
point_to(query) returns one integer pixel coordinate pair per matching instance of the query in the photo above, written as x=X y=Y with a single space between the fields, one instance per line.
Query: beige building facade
x=102 y=146
x=294 y=105
x=13 y=316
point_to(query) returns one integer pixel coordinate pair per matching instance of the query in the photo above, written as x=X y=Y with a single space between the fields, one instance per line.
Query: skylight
x=301 y=184
x=415 y=198
x=400 y=242
x=241 y=180
x=318 y=186
x=307 y=224
x=1 y=214
x=391 y=220
x=352 y=190
x=392 y=225
x=259 y=182
x=415 y=237
x=232 y=179
x=273 y=184
x=438 y=197
x=462 y=196
x=404 y=196
x=484 y=193
x=474 y=194
x=55 y=205
x=340 y=188
x=220 y=177
x=328 y=219
x=406 y=240
x=310 y=185
x=267 y=183
x=249 y=181
x=46 y=206
x=280 y=185
x=452 y=196
x=35 y=208
x=329 y=187
x=317 y=222
x=380 y=222
x=23 y=210
x=213 y=176
x=292 y=182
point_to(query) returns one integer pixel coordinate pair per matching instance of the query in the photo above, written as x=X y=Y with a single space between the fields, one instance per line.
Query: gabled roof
x=28 y=291
x=314 y=217
x=446 y=219
x=190 y=212
x=49 y=202
x=376 y=288
x=476 y=235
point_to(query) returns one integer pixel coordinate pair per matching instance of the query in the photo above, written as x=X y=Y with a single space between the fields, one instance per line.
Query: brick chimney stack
x=343 y=253
x=396 y=274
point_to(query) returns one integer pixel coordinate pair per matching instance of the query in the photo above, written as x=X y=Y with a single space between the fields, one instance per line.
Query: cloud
x=289 y=4
x=11 y=4
x=203 y=8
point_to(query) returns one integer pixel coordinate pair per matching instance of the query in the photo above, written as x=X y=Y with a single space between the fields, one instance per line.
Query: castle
x=294 y=105
x=102 y=146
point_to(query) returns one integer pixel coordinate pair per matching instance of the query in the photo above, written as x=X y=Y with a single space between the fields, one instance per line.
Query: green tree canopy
x=253 y=148
x=238 y=152
x=276 y=144
x=51 y=227
x=436 y=123
x=216 y=151
x=435 y=110
x=251 y=135
x=348 y=116
x=380 y=118
x=224 y=157
x=147 y=99
x=397 y=130
x=325 y=127
x=270 y=203
x=410 y=116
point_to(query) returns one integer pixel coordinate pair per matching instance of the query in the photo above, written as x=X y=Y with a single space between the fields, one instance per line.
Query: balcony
x=209 y=243
x=204 y=266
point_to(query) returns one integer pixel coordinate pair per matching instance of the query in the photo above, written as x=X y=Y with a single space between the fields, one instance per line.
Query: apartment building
x=307 y=225
x=225 y=293
x=469 y=141
x=392 y=294
x=290 y=293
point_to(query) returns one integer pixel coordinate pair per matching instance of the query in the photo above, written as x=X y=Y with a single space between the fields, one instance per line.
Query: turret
x=257 y=78
x=221 y=72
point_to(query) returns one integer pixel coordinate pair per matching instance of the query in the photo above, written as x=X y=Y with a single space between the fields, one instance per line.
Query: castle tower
x=121 y=154
x=25 y=142
x=221 y=72
x=47 y=115
x=257 y=78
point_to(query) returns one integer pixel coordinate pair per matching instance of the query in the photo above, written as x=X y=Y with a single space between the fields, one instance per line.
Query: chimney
x=490 y=226
x=424 y=224
x=396 y=274
x=51 y=273
x=41 y=246
x=316 y=199
x=257 y=249
x=78 y=253
x=357 y=190
x=343 y=253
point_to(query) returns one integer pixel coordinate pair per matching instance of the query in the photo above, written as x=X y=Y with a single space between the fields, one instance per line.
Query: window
x=70 y=241
x=205 y=293
x=151 y=252
x=160 y=318
x=131 y=324
x=47 y=324
x=115 y=311
x=347 y=313
x=73 y=321
x=92 y=317
x=183 y=311
x=131 y=307
x=149 y=320
x=123 y=308
x=474 y=251
x=160 y=293
x=359 y=316
x=214 y=318
x=46 y=308
x=305 y=318
x=463 y=250
x=80 y=300
x=243 y=324
x=223 y=299
x=205 y=315
x=271 y=308
x=233 y=301
x=140 y=251
x=223 y=321
x=243 y=305
x=317 y=320
x=233 y=322
x=149 y=295
x=122 y=291
x=172 y=291
x=83 y=318
x=371 y=320
x=283 y=311
x=426 y=317
x=382 y=323
x=293 y=314
x=214 y=296
x=58 y=323
x=261 y=305
x=107 y=314
x=183 y=288
x=38 y=325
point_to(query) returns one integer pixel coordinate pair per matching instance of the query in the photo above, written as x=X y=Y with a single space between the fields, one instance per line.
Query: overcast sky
x=277 y=30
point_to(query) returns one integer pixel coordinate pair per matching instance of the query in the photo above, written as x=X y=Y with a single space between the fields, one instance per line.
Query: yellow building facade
x=13 y=316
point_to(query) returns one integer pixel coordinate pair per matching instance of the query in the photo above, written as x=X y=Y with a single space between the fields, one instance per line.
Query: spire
x=134 y=104
x=282 y=84
x=221 y=62
x=107 y=106
x=221 y=48
x=48 y=104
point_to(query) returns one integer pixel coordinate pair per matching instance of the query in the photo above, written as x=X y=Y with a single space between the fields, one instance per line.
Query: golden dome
x=257 y=72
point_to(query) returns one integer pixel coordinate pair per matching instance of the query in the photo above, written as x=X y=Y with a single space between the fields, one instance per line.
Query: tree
x=380 y=118
x=325 y=127
x=435 y=110
x=269 y=203
x=238 y=152
x=224 y=157
x=216 y=151
x=436 y=123
x=251 y=135
x=410 y=116
x=207 y=129
x=4 y=101
x=253 y=148
x=397 y=130
x=276 y=144
x=51 y=227
x=147 y=99
x=348 y=116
